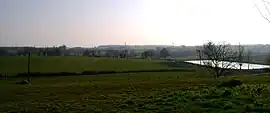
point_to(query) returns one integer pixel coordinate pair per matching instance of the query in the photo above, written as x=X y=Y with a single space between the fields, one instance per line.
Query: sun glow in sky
x=141 y=22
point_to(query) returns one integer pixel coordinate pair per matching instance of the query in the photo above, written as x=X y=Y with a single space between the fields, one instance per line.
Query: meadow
x=194 y=92
x=18 y=64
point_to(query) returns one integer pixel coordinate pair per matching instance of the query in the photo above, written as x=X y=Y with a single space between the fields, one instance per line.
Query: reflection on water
x=233 y=65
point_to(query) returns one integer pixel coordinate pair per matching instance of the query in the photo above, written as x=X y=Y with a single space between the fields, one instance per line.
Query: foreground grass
x=18 y=64
x=141 y=92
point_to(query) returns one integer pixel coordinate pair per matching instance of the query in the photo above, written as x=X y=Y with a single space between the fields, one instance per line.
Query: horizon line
x=114 y=45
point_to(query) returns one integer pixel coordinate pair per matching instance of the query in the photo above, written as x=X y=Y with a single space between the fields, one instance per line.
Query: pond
x=233 y=65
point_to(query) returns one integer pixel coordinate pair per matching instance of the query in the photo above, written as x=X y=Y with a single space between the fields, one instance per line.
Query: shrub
x=230 y=83
x=23 y=82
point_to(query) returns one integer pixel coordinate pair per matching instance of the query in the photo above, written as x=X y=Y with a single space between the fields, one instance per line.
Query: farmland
x=14 y=65
x=126 y=92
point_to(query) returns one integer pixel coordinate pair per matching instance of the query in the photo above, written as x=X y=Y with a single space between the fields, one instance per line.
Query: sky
x=91 y=23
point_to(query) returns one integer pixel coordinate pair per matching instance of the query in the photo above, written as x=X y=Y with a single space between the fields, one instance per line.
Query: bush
x=230 y=83
x=23 y=82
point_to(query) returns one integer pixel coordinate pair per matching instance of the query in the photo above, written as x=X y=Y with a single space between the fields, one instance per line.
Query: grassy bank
x=141 y=92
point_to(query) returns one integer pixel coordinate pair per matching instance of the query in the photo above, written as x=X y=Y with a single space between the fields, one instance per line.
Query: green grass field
x=14 y=65
x=140 y=92
x=131 y=92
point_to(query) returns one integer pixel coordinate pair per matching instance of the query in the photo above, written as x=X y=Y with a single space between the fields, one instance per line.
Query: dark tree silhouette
x=3 y=52
x=240 y=54
x=216 y=53
x=148 y=54
x=164 y=53
x=249 y=57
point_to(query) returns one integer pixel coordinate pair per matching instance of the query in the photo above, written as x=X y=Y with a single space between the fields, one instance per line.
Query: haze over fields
x=90 y=23
x=111 y=56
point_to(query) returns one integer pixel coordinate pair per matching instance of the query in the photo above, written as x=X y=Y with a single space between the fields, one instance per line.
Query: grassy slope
x=143 y=92
x=13 y=65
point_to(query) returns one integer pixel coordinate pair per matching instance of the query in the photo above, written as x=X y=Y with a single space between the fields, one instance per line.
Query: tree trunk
x=240 y=65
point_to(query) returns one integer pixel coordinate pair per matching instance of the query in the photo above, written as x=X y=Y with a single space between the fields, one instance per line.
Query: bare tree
x=249 y=57
x=265 y=6
x=240 y=54
x=220 y=58
x=200 y=55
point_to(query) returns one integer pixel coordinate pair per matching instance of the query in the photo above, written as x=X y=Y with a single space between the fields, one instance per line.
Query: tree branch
x=262 y=14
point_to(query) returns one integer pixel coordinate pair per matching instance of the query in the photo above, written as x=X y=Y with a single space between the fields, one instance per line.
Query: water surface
x=234 y=65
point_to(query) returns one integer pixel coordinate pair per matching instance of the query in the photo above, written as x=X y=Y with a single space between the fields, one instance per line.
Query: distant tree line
x=91 y=52
x=23 y=51
x=110 y=53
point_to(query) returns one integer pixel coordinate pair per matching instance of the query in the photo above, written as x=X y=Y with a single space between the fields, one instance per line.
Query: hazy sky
x=97 y=22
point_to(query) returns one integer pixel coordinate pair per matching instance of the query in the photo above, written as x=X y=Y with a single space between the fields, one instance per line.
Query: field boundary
x=98 y=72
